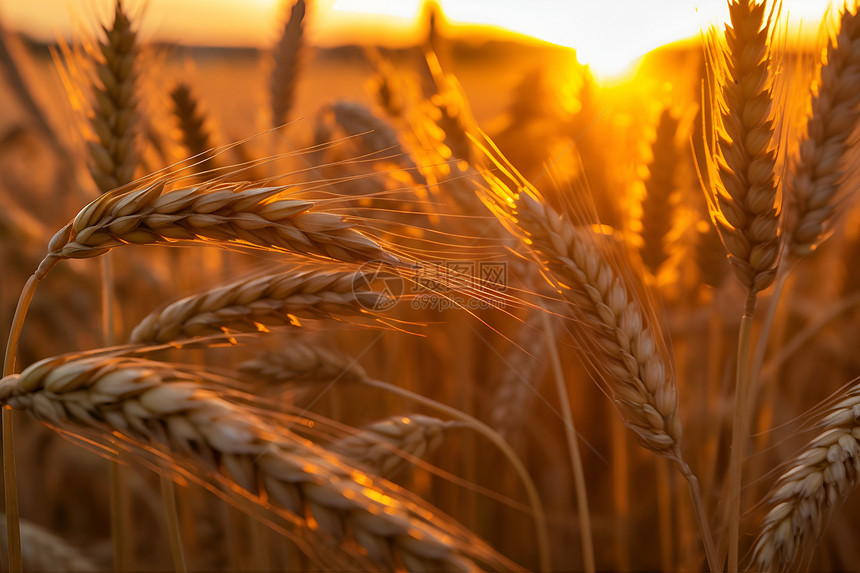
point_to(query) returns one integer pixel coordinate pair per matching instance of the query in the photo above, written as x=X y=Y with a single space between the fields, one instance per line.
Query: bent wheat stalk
x=156 y=404
x=254 y=305
x=616 y=324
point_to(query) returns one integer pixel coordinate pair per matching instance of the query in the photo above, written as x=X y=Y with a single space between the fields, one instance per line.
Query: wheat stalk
x=113 y=162
x=256 y=304
x=820 y=170
x=228 y=214
x=387 y=446
x=820 y=478
x=745 y=203
x=157 y=404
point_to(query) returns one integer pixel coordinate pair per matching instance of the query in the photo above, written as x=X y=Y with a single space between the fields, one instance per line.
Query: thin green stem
x=573 y=449
x=739 y=431
x=13 y=530
x=499 y=442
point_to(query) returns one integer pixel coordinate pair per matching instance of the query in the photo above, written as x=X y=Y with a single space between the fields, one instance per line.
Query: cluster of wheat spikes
x=377 y=340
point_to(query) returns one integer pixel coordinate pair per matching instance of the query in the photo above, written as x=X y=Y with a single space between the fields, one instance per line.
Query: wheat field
x=453 y=307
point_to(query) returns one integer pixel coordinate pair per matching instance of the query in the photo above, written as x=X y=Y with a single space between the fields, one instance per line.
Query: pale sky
x=600 y=30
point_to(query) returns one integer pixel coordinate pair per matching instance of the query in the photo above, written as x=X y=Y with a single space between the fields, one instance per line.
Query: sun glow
x=607 y=35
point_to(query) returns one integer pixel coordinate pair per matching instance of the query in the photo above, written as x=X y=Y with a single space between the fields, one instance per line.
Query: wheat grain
x=820 y=478
x=318 y=493
x=256 y=304
x=238 y=215
x=819 y=173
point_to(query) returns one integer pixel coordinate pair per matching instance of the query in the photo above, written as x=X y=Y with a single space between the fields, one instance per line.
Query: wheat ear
x=637 y=370
x=820 y=170
x=282 y=83
x=156 y=404
x=820 y=478
x=376 y=137
x=193 y=128
x=745 y=199
x=386 y=447
x=236 y=215
x=115 y=117
x=660 y=202
x=45 y=551
x=260 y=303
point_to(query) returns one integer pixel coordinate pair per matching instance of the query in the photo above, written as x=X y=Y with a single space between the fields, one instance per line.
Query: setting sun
x=608 y=36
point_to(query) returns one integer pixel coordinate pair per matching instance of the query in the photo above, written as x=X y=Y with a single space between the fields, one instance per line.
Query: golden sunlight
x=609 y=36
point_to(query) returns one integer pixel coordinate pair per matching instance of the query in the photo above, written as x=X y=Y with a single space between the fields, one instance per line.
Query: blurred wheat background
x=466 y=303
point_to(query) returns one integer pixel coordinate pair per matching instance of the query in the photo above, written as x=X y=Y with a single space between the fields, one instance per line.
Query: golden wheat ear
x=819 y=479
x=228 y=215
x=282 y=82
x=115 y=116
x=660 y=203
x=745 y=202
x=261 y=303
x=822 y=176
x=156 y=408
x=193 y=126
